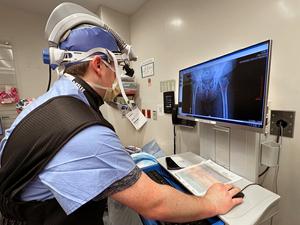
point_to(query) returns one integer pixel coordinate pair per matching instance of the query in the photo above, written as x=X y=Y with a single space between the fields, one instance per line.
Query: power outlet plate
x=288 y=116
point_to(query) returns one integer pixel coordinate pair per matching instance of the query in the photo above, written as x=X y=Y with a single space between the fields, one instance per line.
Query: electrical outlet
x=288 y=117
x=154 y=115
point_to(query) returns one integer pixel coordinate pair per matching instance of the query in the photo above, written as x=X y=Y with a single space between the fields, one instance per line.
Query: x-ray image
x=210 y=88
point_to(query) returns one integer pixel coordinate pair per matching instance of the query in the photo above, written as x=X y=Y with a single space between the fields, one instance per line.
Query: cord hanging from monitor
x=266 y=170
x=281 y=124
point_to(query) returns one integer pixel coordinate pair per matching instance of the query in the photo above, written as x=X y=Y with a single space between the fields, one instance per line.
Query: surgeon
x=61 y=159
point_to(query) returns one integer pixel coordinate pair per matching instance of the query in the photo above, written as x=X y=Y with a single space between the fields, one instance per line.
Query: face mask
x=110 y=93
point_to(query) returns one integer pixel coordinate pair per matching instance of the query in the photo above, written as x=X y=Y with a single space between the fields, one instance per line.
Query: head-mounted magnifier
x=68 y=16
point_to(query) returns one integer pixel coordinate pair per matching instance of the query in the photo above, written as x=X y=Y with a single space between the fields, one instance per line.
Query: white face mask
x=110 y=92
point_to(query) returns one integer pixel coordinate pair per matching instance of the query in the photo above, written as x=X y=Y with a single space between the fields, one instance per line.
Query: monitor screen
x=232 y=88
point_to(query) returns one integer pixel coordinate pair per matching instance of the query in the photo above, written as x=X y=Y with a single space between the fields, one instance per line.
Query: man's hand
x=220 y=196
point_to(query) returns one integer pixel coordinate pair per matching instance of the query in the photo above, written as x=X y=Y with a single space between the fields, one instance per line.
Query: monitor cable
x=264 y=174
x=266 y=170
x=281 y=124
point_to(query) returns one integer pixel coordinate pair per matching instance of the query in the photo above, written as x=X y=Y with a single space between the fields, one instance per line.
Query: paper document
x=200 y=177
x=137 y=118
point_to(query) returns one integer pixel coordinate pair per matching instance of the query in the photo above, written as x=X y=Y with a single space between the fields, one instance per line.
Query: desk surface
x=259 y=203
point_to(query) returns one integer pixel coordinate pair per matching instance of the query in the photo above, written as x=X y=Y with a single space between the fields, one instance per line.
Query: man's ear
x=96 y=64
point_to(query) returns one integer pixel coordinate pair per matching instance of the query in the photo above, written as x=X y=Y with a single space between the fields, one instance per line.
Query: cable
x=281 y=131
x=250 y=185
x=263 y=180
x=257 y=185
x=280 y=124
x=275 y=181
x=264 y=171
x=49 y=80
x=279 y=134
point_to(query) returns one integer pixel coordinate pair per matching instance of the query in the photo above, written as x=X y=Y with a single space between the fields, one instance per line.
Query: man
x=74 y=173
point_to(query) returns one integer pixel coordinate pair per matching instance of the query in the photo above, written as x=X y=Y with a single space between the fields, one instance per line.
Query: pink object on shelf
x=10 y=95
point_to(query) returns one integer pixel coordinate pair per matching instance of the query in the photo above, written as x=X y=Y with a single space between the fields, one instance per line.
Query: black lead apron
x=32 y=144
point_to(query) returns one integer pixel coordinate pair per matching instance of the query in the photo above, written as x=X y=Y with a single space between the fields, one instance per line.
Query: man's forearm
x=162 y=202
x=174 y=206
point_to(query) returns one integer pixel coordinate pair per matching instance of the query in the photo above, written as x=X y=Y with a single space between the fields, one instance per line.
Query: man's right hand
x=220 y=196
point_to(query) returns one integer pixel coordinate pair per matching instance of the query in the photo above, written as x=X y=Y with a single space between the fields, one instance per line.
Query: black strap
x=38 y=137
x=91 y=95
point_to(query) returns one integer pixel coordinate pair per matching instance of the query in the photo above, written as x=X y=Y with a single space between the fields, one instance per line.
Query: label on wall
x=167 y=85
x=136 y=118
x=147 y=68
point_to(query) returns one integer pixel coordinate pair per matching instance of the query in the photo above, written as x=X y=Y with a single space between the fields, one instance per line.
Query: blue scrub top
x=87 y=165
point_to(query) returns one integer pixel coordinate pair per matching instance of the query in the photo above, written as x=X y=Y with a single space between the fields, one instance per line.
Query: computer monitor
x=230 y=90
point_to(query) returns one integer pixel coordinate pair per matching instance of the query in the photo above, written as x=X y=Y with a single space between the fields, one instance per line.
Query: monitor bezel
x=233 y=124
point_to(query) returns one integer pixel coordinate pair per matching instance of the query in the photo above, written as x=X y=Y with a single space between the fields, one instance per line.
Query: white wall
x=212 y=28
x=120 y=23
x=25 y=32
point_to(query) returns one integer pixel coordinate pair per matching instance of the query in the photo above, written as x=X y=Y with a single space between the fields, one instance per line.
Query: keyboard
x=155 y=176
